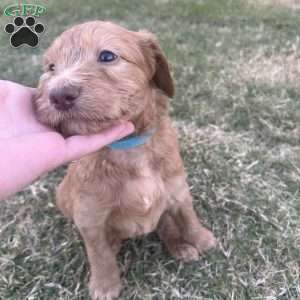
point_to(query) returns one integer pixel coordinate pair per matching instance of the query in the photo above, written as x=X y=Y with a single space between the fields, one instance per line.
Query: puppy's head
x=97 y=74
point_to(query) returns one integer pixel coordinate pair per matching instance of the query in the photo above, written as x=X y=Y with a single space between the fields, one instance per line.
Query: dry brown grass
x=293 y=4
x=264 y=68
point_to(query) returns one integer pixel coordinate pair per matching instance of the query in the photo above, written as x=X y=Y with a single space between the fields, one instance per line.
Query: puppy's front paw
x=183 y=251
x=203 y=240
x=104 y=291
x=189 y=248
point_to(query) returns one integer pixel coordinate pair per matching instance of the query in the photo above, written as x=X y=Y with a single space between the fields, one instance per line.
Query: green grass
x=237 y=111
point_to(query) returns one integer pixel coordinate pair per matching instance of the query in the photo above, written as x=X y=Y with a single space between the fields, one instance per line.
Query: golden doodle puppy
x=98 y=74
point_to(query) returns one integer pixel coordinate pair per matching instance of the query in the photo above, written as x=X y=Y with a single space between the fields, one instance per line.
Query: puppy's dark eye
x=107 y=56
x=51 y=67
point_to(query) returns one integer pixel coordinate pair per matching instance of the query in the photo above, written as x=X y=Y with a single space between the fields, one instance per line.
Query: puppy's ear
x=156 y=62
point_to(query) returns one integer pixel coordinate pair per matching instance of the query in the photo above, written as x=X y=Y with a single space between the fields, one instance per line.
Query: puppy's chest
x=135 y=195
x=135 y=190
x=138 y=206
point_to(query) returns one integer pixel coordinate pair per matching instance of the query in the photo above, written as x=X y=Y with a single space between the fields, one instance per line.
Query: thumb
x=79 y=145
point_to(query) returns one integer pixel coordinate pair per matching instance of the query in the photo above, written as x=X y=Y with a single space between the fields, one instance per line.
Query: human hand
x=28 y=149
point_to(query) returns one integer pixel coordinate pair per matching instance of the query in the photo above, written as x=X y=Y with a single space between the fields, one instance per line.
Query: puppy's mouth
x=70 y=119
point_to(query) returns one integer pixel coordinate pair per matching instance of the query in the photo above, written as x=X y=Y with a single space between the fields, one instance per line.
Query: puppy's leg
x=169 y=233
x=180 y=228
x=91 y=220
x=105 y=281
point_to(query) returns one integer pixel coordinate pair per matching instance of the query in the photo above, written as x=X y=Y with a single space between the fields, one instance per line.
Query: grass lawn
x=237 y=109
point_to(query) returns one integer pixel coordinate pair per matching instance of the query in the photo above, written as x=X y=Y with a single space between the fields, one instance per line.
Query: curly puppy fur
x=113 y=195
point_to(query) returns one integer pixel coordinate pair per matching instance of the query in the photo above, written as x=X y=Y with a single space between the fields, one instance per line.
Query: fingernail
x=126 y=128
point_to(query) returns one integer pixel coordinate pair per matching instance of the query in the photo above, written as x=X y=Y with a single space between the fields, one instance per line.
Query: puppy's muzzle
x=64 y=98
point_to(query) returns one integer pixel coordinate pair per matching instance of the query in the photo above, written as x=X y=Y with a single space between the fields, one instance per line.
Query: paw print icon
x=24 y=32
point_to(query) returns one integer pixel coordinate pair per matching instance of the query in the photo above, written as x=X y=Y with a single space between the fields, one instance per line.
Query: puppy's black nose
x=64 y=98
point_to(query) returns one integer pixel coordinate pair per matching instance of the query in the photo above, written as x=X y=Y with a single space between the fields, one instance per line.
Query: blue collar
x=131 y=141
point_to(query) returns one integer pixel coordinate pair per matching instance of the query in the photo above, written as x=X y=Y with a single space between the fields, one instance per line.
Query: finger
x=17 y=99
x=78 y=146
x=7 y=86
x=3 y=89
